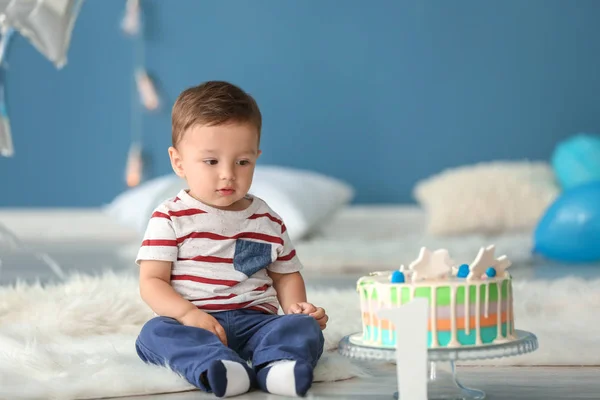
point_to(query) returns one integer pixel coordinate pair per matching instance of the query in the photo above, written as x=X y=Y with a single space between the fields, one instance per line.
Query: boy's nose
x=227 y=174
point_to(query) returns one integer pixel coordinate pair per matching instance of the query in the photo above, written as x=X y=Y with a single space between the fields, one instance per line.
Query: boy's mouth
x=226 y=191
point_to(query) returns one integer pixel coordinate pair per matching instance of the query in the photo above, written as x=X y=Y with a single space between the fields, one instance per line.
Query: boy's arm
x=290 y=289
x=285 y=273
x=155 y=257
x=158 y=251
x=289 y=284
x=291 y=293
x=157 y=292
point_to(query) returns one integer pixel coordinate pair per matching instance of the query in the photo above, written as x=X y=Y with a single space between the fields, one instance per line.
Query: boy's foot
x=285 y=377
x=229 y=378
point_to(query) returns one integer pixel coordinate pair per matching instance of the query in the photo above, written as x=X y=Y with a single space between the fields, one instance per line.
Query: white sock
x=286 y=378
x=228 y=378
x=281 y=379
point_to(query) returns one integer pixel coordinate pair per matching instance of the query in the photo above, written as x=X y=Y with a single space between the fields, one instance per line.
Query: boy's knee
x=305 y=324
x=309 y=328
x=155 y=326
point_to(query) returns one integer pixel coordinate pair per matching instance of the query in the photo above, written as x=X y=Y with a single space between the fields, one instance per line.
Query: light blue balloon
x=570 y=228
x=577 y=160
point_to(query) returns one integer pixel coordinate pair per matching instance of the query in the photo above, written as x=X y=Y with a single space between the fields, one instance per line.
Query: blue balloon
x=570 y=228
x=576 y=161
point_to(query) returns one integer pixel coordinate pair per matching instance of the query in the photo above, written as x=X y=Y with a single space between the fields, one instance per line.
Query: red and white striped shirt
x=220 y=258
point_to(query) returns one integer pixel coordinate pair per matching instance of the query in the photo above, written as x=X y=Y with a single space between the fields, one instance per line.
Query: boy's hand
x=200 y=319
x=307 y=308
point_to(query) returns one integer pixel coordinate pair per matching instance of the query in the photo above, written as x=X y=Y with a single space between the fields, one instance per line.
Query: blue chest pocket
x=250 y=257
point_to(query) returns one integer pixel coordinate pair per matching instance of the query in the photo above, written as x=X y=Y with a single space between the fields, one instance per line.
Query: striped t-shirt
x=220 y=258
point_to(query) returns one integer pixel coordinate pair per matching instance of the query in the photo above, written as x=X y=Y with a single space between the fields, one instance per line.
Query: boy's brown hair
x=213 y=103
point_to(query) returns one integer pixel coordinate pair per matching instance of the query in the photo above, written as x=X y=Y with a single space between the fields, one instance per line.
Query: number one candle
x=410 y=323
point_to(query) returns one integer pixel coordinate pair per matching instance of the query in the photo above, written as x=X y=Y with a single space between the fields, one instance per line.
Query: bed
x=356 y=239
x=330 y=233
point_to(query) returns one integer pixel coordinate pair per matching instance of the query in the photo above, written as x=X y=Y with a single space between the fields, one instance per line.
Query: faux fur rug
x=76 y=340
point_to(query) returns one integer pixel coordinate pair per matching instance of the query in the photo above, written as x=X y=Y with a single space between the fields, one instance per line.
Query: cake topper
x=431 y=265
x=484 y=260
x=377 y=273
x=462 y=271
x=397 y=277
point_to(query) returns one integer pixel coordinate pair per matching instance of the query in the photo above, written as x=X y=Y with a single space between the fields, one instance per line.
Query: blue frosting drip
x=488 y=335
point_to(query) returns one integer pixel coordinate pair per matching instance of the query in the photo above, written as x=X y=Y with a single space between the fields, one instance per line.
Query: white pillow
x=303 y=199
x=133 y=207
x=487 y=198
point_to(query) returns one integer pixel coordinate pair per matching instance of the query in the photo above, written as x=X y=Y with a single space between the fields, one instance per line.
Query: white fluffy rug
x=76 y=340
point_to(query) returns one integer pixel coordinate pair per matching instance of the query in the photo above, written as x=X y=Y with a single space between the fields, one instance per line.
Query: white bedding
x=357 y=238
x=94 y=225
x=65 y=225
x=383 y=237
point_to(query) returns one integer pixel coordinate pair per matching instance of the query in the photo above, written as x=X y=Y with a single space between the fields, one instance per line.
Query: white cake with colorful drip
x=469 y=304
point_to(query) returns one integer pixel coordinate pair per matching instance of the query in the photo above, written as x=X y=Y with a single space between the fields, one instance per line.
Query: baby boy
x=216 y=262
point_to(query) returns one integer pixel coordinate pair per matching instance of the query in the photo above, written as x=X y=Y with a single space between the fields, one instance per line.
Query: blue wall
x=380 y=93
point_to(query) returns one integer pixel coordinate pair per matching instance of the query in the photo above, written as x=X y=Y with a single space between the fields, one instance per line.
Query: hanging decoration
x=131 y=21
x=148 y=94
x=47 y=25
x=6 y=144
x=134 y=168
x=144 y=95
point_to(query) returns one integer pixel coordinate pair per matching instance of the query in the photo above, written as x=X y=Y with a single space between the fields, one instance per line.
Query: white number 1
x=410 y=321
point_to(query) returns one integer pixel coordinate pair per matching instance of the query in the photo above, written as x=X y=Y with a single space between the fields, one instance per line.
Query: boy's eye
x=243 y=162
x=210 y=162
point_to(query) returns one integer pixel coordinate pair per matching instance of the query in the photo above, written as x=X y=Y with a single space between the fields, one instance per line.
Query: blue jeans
x=251 y=336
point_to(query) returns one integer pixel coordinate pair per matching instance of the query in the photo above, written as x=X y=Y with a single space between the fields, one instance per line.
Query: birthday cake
x=469 y=304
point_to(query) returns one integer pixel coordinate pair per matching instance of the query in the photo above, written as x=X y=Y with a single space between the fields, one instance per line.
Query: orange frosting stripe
x=444 y=324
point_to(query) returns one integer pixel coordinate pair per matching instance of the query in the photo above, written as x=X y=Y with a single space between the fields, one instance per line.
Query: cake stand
x=442 y=379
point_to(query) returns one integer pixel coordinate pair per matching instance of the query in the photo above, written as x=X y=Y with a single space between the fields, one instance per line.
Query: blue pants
x=251 y=335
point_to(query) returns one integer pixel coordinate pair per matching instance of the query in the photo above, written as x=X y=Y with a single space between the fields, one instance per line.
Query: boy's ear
x=259 y=153
x=176 y=164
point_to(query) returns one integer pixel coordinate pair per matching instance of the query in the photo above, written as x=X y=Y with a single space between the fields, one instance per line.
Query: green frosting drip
x=442 y=293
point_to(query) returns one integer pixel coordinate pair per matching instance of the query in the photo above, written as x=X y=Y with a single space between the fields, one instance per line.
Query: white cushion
x=133 y=207
x=494 y=197
x=303 y=199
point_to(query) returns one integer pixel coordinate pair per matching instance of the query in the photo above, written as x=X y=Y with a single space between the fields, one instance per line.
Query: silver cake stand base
x=442 y=382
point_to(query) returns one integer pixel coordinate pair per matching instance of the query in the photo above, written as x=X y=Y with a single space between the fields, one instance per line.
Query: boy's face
x=217 y=162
